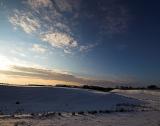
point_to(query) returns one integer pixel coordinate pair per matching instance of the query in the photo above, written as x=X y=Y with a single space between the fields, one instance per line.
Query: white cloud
x=39 y=3
x=47 y=74
x=7 y=62
x=62 y=27
x=23 y=20
x=67 y=51
x=59 y=40
x=45 y=19
x=38 y=48
x=86 y=48
x=63 y=5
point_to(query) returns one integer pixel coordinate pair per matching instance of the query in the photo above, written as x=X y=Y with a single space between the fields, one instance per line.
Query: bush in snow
x=81 y=113
x=17 y=102
x=73 y=113
x=92 y=112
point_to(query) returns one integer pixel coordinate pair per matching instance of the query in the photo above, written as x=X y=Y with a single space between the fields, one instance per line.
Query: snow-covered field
x=114 y=119
x=52 y=99
x=151 y=97
x=20 y=100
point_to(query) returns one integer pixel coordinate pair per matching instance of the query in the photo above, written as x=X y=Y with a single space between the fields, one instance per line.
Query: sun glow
x=4 y=63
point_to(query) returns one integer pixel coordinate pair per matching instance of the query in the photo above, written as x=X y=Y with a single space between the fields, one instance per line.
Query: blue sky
x=80 y=41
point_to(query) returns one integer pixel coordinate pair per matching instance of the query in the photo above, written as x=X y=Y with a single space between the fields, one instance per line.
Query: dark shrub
x=122 y=110
x=81 y=113
x=97 y=88
x=59 y=114
x=73 y=113
x=152 y=87
x=100 y=111
x=50 y=114
x=92 y=112
x=107 y=111
x=17 y=102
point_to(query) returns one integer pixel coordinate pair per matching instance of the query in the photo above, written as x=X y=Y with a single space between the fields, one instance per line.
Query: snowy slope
x=45 y=99
x=152 y=97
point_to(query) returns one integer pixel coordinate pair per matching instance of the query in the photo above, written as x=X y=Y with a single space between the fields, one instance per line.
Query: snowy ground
x=114 y=119
x=52 y=99
x=82 y=100
x=151 y=97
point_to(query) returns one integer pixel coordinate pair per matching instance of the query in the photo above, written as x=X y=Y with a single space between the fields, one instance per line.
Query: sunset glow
x=67 y=41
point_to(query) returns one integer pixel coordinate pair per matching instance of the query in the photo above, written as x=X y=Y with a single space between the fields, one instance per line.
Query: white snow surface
x=151 y=97
x=40 y=99
x=55 y=99
x=115 y=119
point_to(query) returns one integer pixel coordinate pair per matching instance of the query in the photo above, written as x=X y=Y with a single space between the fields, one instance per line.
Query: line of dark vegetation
x=97 y=88
x=104 y=89
x=123 y=107
x=91 y=87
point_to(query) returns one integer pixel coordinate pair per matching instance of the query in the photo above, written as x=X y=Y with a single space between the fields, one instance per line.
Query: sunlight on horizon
x=5 y=63
x=66 y=40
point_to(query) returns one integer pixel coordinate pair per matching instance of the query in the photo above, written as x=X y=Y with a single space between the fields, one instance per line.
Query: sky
x=95 y=42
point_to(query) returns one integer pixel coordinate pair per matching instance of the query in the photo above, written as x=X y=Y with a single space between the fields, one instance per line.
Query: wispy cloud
x=59 y=40
x=67 y=5
x=38 y=48
x=45 y=74
x=55 y=21
x=7 y=62
x=47 y=20
x=86 y=48
x=35 y=4
x=17 y=52
x=25 y=21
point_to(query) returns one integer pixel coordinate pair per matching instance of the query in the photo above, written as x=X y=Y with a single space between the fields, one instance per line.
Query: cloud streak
x=47 y=20
x=59 y=40
x=25 y=21
x=35 y=4
x=58 y=22
x=38 y=48
x=45 y=74
x=86 y=48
